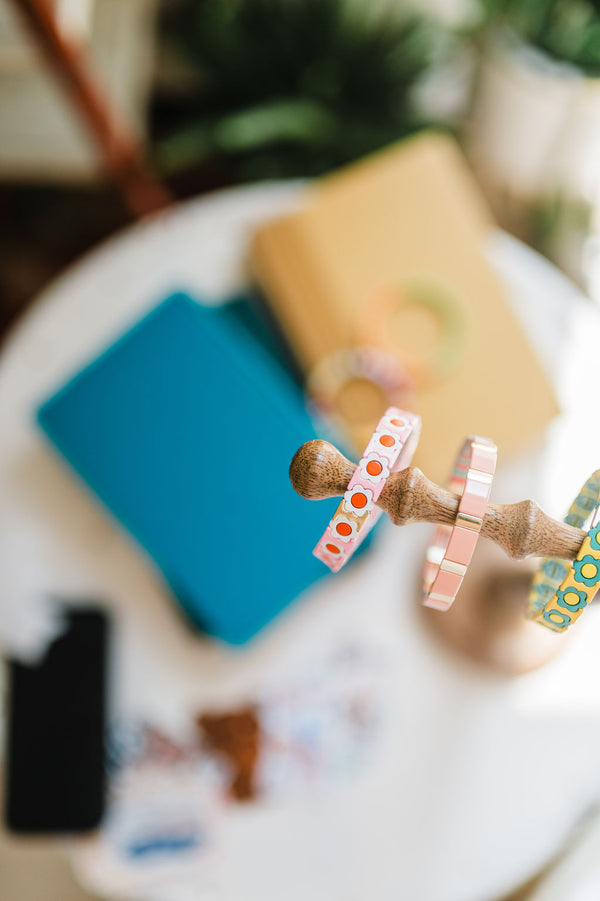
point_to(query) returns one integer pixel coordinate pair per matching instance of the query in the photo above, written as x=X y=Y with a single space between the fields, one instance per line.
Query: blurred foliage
x=561 y=227
x=291 y=87
x=568 y=30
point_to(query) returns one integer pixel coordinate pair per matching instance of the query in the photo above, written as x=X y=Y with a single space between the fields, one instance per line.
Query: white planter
x=533 y=136
x=520 y=106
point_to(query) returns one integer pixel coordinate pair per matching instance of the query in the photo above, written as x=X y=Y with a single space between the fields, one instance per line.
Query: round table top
x=471 y=781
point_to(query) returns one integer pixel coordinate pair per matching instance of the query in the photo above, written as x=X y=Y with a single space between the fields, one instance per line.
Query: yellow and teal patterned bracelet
x=560 y=592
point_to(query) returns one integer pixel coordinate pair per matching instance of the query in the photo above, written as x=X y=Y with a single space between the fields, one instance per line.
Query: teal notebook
x=184 y=429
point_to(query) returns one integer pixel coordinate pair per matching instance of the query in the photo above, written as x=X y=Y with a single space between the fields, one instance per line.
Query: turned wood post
x=487 y=623
x=319 y=470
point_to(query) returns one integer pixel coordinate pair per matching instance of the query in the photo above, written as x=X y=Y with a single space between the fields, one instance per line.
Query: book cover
x=388 y=253
x=184 y=429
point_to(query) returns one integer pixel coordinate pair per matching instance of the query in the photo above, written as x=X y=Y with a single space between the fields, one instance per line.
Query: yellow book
x=388 y=253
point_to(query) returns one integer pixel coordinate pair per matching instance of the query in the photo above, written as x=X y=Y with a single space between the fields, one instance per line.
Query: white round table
x=475 y=781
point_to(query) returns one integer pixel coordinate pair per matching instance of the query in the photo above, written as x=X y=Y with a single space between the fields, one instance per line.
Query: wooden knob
x=319 y=470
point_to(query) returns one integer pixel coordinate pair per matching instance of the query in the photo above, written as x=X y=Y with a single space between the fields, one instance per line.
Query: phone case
x=55 y=771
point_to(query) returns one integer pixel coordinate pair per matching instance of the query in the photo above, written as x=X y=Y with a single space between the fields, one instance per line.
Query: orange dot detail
x=374 y=468
x=386 y=440
x=398 y=423
x=343 y=528
x=359 y=500
x=332 y=548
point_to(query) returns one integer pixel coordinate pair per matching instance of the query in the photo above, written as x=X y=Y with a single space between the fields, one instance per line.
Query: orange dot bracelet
x=390 y=449
x=450 y=552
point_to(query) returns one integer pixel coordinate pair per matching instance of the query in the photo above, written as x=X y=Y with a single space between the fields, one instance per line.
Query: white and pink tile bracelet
x=450 y=552
x=390 y=449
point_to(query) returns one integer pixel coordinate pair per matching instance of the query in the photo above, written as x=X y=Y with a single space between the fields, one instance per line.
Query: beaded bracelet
x=390 y=449
x=561 y=591
x=450 y=552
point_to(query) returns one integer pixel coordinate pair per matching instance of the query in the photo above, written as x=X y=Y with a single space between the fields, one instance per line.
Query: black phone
x=55 y=737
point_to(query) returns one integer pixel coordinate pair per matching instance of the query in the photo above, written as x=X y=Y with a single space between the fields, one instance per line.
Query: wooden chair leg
x=120 y=150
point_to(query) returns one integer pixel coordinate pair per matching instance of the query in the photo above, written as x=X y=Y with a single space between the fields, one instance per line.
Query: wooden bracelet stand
x=487 y=622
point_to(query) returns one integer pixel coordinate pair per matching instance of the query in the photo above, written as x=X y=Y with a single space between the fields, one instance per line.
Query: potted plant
x=279 y=88
x=533 y=133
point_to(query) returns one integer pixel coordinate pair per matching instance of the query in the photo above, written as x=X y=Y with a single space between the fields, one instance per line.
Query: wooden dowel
x=120 y=149
x=319 y=470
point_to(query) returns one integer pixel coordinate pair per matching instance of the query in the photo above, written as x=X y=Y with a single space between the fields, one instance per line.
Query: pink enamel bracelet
x=390 y=449
x=450 y=552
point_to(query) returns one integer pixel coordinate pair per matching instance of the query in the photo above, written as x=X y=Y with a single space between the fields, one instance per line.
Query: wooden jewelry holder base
x=487 y=622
